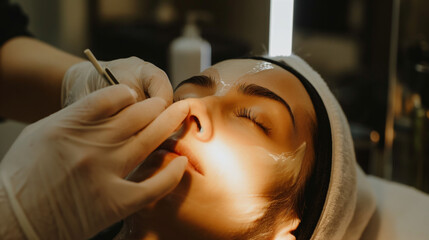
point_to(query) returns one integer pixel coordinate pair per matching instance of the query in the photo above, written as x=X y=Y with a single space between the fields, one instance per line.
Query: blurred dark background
x=373 y=54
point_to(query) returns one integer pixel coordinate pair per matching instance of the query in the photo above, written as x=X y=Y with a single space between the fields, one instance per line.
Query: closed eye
x=248 y=114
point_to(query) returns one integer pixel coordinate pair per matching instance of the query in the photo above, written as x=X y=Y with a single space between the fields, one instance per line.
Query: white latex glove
x=63 y=178
x=145 y=78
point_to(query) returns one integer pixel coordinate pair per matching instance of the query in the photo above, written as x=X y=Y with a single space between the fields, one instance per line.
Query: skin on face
x=230 y=137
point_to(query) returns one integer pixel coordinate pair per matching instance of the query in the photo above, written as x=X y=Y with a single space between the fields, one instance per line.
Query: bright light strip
x=281 y=27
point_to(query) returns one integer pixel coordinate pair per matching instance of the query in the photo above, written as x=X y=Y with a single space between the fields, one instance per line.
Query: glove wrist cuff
x=19 y=214
x=9 y=224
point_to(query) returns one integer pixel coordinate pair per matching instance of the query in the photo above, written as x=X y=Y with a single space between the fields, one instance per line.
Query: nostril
x=197 y=121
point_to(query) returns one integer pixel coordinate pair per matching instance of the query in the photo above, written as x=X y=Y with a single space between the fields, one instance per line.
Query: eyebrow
x=200 y=80
x=256 y=90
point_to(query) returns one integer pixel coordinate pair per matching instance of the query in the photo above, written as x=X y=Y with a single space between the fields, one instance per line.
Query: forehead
x=230 y=73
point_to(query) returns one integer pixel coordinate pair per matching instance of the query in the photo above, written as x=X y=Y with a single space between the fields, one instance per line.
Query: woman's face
x=247 y=120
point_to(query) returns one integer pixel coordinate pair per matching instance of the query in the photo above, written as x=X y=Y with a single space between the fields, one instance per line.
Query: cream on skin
x=234 y=140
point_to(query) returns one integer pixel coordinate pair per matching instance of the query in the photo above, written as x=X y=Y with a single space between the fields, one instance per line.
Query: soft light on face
x=241 y=162
x=242 y=172
x=232 y=172
x=237 y=182
x=237 y=175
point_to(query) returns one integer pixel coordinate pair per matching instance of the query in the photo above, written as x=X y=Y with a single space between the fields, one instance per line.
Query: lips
x=181 y=150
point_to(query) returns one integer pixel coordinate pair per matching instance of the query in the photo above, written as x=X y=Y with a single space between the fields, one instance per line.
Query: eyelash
x=247 y=113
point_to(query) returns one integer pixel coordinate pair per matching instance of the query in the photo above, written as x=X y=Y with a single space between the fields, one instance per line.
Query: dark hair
x=310 y=193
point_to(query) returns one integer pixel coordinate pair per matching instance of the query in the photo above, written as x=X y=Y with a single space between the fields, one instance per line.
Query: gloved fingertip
x=164 y=103
x=184 y=106
x=134 y=93
x=162 y=100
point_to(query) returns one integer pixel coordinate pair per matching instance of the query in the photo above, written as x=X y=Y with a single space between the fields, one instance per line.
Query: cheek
x=237 y=168
x=238 y=179
x=231 y=194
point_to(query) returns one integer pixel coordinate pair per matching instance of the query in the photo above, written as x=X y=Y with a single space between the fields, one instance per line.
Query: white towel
x=359 y=206
x=350 y=202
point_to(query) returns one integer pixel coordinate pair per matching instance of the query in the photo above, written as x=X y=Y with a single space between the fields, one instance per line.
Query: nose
x=199 y=121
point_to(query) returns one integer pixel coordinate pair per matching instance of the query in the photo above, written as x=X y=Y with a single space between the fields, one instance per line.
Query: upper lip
x=174 y=146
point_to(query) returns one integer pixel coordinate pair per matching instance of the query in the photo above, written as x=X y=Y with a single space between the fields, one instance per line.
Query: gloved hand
x=145 y=78
x=64 y=175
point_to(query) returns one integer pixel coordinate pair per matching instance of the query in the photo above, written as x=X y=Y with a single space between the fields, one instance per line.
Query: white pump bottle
x=189 y=54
